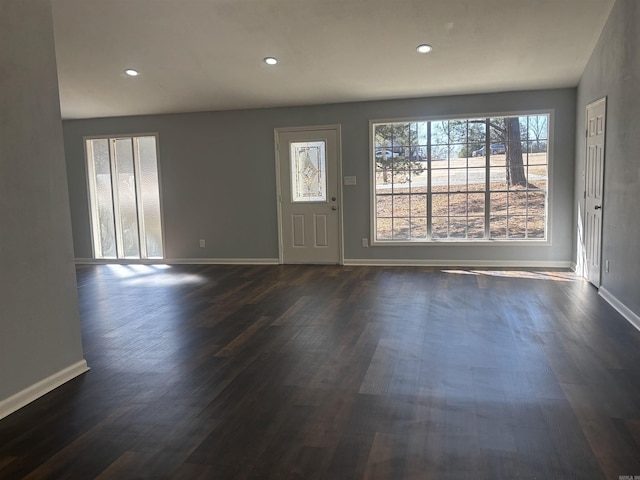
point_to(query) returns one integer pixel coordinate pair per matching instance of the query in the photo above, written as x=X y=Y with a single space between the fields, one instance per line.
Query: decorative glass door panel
x=308 y=172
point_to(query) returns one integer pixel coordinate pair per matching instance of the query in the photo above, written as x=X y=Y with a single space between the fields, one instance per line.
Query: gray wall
x=614 y=71
x=218 y=175
x=39 y=322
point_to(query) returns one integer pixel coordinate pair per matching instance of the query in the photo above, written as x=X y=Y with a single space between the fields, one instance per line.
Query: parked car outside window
x=498 y=148
x=386 y=153
x=495 y=149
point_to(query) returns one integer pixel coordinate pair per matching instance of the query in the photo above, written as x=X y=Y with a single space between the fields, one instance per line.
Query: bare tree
x=507 y=131
x=538 y=128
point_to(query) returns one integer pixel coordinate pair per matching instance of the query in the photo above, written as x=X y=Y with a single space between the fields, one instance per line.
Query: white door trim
x=276 y=135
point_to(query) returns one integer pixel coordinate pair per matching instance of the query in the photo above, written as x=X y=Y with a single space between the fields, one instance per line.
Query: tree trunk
x=515 y=166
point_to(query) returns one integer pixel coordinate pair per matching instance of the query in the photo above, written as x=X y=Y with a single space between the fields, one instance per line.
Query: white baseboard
x=457 y=263
x=369 y=262
x=631 y=317
x=179 y=261
x=37 y=390
x=221 y=261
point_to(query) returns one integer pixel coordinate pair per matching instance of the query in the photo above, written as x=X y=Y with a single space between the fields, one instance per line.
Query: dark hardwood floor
x=312 y=372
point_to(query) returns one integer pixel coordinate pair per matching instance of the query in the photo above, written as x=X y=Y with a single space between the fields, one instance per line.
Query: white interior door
x=594 y=182
x=307 y=163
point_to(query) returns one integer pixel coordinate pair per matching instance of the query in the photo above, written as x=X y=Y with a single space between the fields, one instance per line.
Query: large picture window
x=469 y=179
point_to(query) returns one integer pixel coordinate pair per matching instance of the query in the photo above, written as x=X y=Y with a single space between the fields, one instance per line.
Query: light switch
x=350 y=180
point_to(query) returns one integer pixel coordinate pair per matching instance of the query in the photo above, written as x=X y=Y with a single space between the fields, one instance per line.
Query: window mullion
x=487 y=185
x=116 y=198
x=93 y=198
x=429 y=193
x=142 y=243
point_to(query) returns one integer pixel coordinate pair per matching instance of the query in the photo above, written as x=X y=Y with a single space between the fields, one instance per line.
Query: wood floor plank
x=330 y=372
x=127 y=464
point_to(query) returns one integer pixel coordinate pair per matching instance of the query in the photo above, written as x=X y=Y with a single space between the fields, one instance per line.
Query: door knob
x=333 y=199
x=597 y=207
x=334 y=208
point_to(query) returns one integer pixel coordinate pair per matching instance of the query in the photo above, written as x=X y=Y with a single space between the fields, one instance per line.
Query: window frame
x=430 y=242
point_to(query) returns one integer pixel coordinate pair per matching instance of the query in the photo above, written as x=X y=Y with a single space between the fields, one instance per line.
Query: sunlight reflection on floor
x=137 y=274
x=555 y=276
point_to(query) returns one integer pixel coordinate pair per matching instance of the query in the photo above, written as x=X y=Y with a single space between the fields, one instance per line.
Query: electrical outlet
x=365 y=242
x=202 y=243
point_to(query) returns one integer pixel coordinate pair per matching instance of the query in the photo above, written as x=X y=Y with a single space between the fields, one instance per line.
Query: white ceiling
x=198 y=55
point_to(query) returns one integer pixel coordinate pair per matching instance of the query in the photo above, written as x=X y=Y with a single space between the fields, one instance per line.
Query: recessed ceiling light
x=270 y=60
x=424 y=48
x=131 y=72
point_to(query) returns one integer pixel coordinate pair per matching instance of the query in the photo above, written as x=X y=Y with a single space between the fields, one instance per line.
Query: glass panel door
x=125 y=197
x=149 y=197
x=100 y=191
x=127 y=219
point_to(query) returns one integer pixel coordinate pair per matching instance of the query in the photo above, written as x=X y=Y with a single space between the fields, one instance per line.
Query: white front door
x=307 y=164
x=594 y=182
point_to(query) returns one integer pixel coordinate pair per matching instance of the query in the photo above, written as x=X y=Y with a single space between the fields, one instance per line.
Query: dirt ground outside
x=458 y=200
